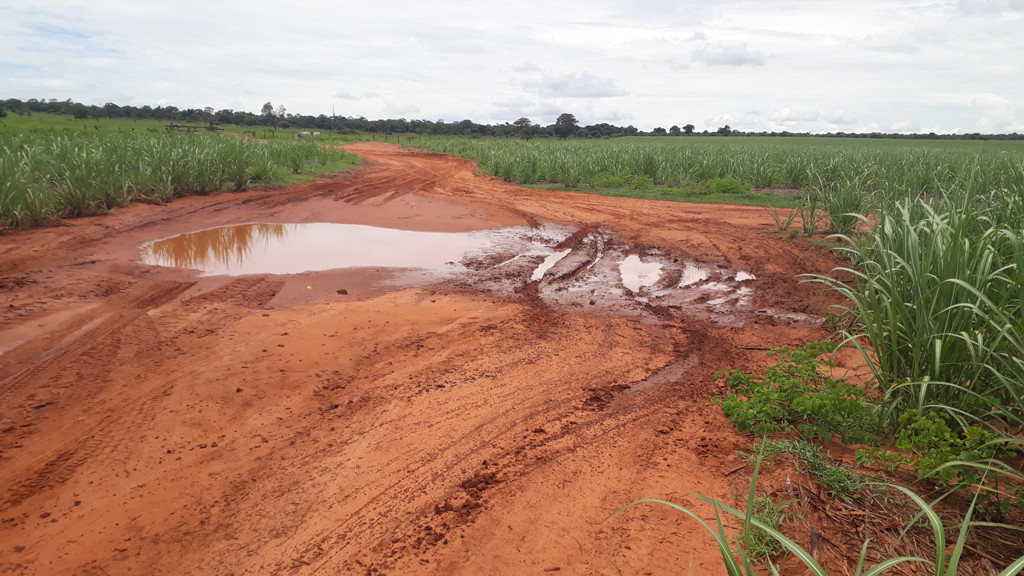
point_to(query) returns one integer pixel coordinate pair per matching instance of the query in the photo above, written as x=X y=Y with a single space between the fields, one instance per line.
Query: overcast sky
x=853 y=66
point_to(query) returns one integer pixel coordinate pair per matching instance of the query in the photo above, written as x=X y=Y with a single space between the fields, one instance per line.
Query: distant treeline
x=523 y=127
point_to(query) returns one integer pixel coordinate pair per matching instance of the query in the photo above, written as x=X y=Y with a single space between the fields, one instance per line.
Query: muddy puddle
x=596 y=272
x=296 y=248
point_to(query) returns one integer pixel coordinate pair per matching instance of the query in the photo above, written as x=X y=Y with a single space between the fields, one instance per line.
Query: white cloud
x=526 y=67
x=720 y=120
x=998 y=113
x=790 y=115
x=728 y=55
x=343 y=95
x=894 y=48
x=905 y=127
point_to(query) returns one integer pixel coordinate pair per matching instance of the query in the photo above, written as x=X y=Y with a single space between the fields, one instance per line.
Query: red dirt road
x=153 y=421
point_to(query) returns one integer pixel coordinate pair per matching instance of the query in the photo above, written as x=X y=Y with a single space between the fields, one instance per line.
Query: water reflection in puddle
x=548 y=263
x=636 y=273
x=692 y=275
x=295 y=248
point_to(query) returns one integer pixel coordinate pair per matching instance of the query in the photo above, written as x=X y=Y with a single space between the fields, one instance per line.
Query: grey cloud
x=728 y=55
x=581 y=85
x=990 y=6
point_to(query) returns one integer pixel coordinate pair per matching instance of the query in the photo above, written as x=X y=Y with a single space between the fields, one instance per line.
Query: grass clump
x=760 y=545
x=837 y=480
x=641 y=182
x=741 y=552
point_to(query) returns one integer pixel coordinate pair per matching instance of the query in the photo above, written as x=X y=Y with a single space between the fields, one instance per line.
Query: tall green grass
x=871 y=168
x=937 y=292
x=56 y=174
x=935 y=295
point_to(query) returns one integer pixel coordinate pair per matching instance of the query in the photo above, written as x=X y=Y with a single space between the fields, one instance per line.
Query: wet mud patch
x=582 y=269
x=594 y=271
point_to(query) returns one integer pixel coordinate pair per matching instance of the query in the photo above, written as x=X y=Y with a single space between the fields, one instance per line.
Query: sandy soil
x=371 y=421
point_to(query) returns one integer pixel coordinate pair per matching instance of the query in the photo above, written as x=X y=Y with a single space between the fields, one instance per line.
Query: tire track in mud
x=102 y=441
x=458 y=508
x=251 y=291
x=100 y=345
x=56 y=352
x=507 y=461
x=74 y=366
x=430 y=468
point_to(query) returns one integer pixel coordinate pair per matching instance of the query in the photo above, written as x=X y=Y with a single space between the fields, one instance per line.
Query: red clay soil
x=153 y=421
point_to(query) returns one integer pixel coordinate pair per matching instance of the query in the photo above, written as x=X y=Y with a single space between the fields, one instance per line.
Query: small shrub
x=728 y=185
x=795 y=395
x=951 y=458
x=685 y=188
x=641 y=182
x=606 y=180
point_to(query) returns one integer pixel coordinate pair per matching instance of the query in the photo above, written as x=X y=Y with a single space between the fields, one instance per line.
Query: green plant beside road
x=937 y=289
x=795 y=395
